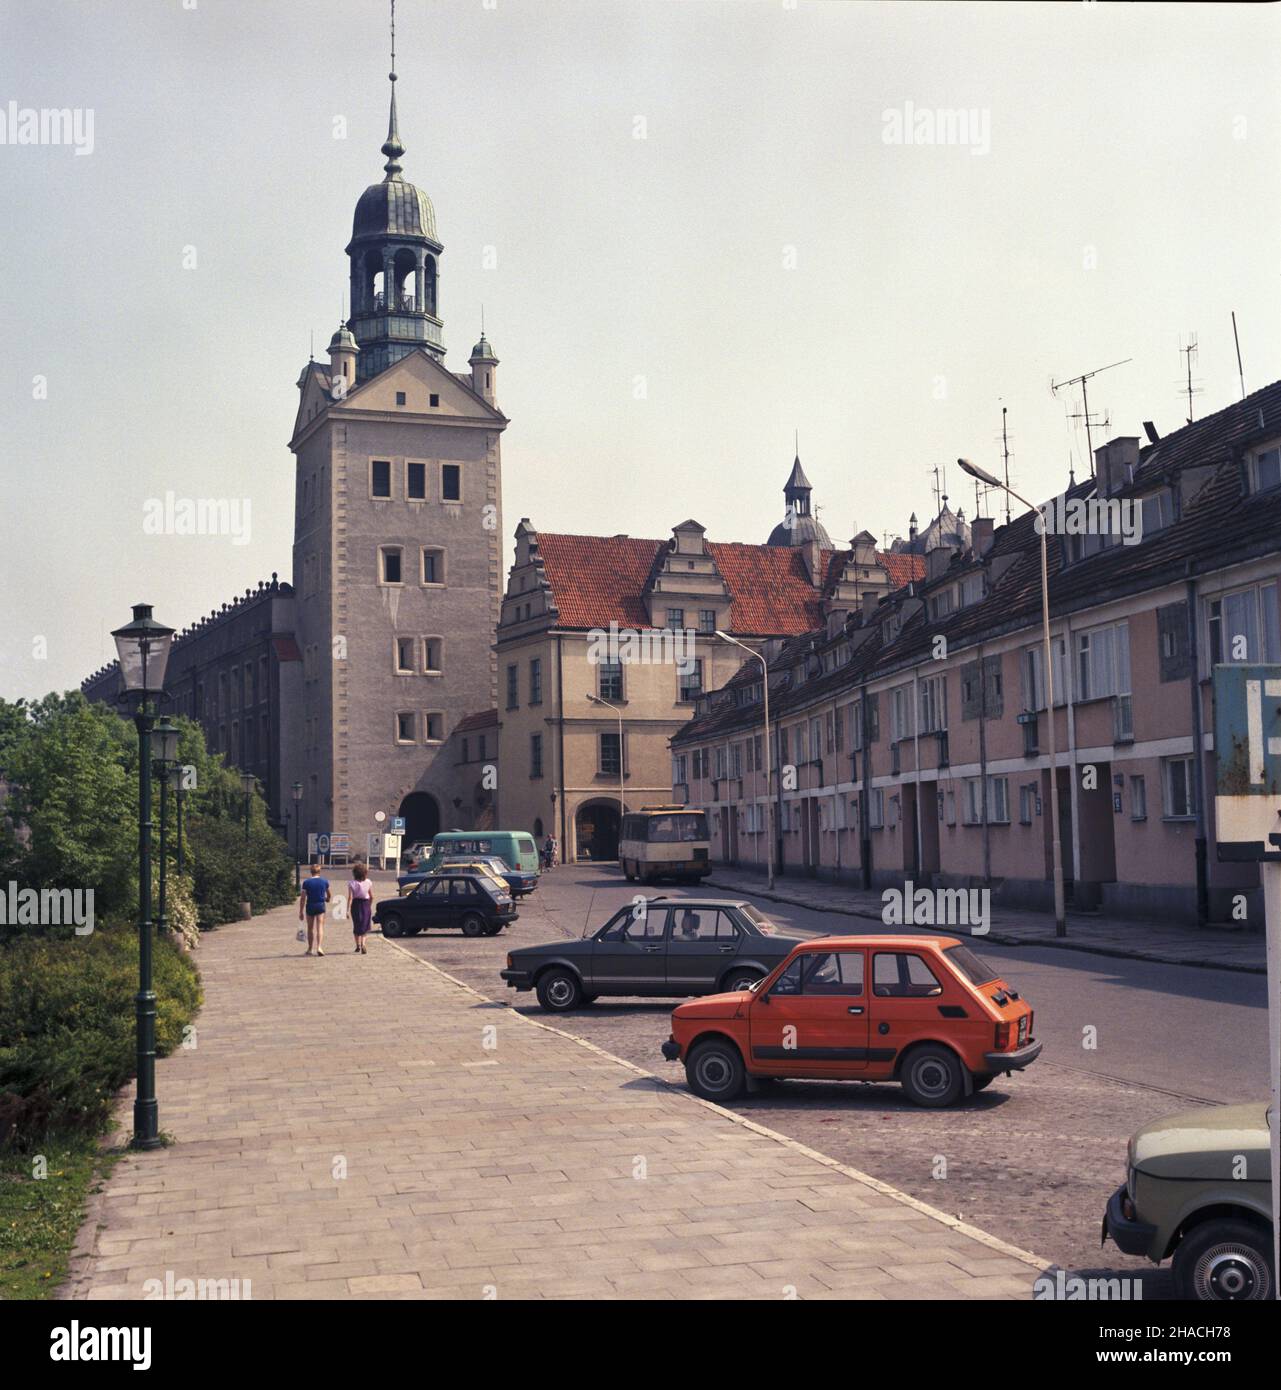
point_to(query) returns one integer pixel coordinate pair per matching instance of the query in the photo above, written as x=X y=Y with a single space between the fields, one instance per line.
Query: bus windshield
x=678 y=828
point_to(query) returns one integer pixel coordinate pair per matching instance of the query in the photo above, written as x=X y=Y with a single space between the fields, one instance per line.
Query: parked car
x=935 y=1018
x=655 y=946
x=406 y=883
x=468 y=901
x=518 y=882
x=1198 y=1186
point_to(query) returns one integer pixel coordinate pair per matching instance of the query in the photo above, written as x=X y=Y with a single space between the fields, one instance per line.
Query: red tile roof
x=597 y=580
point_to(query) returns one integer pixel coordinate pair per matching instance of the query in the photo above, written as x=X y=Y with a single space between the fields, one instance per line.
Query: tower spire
x=392 y=147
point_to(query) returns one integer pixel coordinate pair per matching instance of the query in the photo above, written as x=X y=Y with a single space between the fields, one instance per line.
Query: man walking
x=311 y=901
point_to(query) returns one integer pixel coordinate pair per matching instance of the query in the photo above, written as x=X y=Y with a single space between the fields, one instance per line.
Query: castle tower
x=397 y=538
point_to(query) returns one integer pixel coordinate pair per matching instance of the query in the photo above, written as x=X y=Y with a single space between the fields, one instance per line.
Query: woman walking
x=360 y=893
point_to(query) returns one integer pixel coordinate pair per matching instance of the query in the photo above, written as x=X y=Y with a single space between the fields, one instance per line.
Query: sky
x=696 y=229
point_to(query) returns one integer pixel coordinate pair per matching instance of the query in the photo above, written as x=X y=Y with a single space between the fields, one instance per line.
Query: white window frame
x=1103 y=661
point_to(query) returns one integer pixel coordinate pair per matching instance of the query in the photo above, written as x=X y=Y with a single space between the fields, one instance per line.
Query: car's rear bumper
x=1130 y=1236
x=517 y=979
x=1012 y=1061
x=672 y=1050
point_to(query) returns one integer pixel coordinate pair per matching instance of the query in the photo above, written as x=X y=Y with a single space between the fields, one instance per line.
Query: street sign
x=397 y=825
x=322 y=842
x=373 y=846
x=1247 y=750
x=340 y=845
x=391 y=849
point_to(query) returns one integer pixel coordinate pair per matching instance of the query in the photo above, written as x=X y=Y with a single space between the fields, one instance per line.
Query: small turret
x=484 y=370
x=342 y=361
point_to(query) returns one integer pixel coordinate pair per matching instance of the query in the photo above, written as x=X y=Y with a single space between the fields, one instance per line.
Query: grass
x=41 y=1216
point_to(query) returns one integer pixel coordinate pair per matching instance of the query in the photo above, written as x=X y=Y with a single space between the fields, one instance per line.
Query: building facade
x=912 y=741
x=605 y=643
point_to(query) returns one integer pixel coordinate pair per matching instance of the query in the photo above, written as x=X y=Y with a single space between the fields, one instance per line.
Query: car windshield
x=758 y=919
x=678 y=828
x=975 y=970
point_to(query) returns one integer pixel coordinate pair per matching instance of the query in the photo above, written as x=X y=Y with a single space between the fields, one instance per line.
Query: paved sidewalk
x=1171 y=943
x=368 y=1127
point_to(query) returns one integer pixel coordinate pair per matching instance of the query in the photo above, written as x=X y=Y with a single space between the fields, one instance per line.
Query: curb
x=953 y=1223
x=1002 y=938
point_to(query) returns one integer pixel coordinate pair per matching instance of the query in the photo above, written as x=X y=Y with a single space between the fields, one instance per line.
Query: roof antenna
x=1189 y=351
x=1005 y=447
x=1057 y=386
x=311 y=353
x=1237 y=341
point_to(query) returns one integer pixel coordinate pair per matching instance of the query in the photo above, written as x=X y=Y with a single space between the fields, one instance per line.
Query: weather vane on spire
x=393 y=149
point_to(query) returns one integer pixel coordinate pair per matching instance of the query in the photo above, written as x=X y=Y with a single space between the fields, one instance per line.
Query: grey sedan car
x=655 y=946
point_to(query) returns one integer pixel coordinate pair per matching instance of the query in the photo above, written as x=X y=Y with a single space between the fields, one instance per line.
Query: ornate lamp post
x=296 y=792
x=248 y=781
x=143 y=650
x=990 y=480
x=165 y=743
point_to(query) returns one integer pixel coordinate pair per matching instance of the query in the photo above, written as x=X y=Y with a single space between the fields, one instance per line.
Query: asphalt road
x=1033 y=1158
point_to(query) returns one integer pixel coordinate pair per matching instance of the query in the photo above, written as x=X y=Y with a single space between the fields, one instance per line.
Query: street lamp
x=248 y=781
x=751 y=651
x=990 y=480
x=296 y=792
x=622 y=810
x=142 y=647
x=165 y=743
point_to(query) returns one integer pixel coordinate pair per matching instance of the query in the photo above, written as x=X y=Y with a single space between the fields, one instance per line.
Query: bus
x=515 y=848
x=665 y=842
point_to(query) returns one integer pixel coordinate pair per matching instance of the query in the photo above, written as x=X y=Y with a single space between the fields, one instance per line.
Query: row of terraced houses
x=910 y=731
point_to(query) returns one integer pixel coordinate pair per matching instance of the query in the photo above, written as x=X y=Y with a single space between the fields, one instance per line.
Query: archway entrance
x=422 y=817
x=596 y=829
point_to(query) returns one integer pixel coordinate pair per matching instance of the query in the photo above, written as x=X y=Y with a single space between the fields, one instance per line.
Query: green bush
x=226 y=871
x=67 y=1026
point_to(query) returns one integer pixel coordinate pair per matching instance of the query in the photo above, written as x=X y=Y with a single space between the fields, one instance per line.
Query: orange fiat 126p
x=923 y=1011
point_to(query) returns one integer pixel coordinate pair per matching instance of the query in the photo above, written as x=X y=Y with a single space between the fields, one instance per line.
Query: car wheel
x=932 y=1076
x=715 y=1071
x=740 y=979
x=982 y=1081
x=1225 y=1262
x=559 y=991
x=473 y=924
x=393 y=926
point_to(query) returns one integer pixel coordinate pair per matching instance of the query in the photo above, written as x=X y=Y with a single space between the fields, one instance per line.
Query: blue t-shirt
x=315 y=889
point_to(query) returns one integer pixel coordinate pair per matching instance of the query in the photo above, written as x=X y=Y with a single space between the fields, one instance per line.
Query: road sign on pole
x=1247 y=812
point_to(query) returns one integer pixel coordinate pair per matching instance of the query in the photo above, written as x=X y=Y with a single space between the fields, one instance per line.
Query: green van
x=515 y=848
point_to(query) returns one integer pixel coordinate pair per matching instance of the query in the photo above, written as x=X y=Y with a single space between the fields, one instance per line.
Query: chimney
x=870 y=600
x=1115 y=462
x=981 y=535
x=937 y=560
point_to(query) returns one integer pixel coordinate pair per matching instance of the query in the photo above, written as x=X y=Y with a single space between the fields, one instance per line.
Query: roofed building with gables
x=605 y=643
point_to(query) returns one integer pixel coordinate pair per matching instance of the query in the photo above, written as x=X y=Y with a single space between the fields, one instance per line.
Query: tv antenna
x=1057 y=386
x=1237 y=341
x=1189 y=352
x=1005 y=454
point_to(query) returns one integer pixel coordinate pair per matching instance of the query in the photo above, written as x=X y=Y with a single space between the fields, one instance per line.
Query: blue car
x=518 y=881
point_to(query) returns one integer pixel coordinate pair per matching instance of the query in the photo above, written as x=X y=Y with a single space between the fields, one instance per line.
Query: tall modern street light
x=769 y=817
x=296 y=792
x=990 y=480
x=248 y=781
x=622 y=809
x=143 y=649
x=165 y=742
